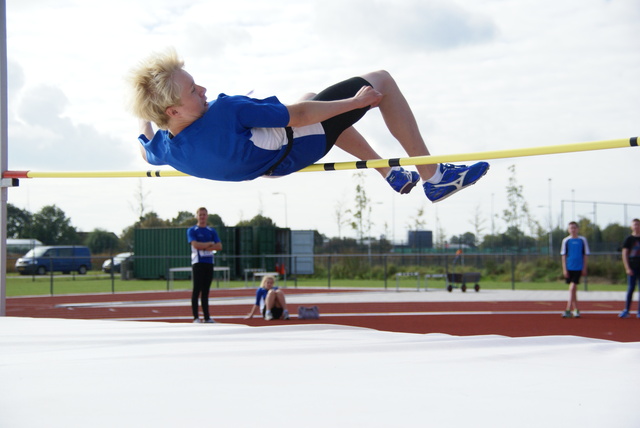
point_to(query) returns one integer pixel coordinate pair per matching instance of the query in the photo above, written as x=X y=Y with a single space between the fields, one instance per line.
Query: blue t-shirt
x=238 y=138
x=201 y=234
x=574 y=249
x=261 y=295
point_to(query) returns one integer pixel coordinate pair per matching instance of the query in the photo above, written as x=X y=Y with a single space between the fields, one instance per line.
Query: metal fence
x=378 y=270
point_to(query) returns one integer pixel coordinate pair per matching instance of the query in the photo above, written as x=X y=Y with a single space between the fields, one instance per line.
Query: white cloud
x=39 y=133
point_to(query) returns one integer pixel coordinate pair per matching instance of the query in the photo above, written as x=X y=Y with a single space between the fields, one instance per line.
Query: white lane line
x=382 y=314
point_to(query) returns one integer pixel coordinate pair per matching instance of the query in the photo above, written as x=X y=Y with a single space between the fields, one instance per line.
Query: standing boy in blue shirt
x=204 y=241
x=574 y=252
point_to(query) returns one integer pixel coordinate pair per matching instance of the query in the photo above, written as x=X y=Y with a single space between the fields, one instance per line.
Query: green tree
x=151 y=220
x=466 y=238
x=51 y=226
x=18 y=222
x=147 y=221
x=490 y=242
x=258 y=220
x=183 y=219
x=557 y=235
x=614 y=235
x=518 y=216
x=101 y=241
x=215 y=220
x=188 y=219
x=591 y=231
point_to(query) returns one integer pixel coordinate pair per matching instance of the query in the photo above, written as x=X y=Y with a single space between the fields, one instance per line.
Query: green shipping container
x=226 y=257
x=244 y=250
x=160 y=249
x=254 y=244
x=283 y=249
x=264 y=243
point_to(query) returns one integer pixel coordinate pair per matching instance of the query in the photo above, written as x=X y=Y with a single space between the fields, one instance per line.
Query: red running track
x=514 y=319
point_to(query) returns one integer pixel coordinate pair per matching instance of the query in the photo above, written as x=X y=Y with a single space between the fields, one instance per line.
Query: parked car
x=117 y=262
x=59 y=258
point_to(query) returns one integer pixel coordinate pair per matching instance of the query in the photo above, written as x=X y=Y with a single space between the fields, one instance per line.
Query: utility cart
x=463 y=279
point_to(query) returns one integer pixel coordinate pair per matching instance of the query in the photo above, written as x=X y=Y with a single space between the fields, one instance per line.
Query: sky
x=480 y=75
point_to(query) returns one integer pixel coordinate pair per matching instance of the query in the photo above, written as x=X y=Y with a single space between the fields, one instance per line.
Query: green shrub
x=608 y=270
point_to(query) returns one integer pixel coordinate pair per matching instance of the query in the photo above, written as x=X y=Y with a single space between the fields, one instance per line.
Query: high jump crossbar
x=375 y=163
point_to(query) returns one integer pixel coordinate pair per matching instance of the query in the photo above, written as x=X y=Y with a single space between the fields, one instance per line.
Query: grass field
x=95 y=283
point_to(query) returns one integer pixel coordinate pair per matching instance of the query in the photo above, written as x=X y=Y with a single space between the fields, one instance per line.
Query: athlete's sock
x=436 y=177
x=394 y=168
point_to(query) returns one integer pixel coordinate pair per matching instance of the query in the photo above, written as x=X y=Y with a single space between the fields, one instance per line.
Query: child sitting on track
x=270 y=300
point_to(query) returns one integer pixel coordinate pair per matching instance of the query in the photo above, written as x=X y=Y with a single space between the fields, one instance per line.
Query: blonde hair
x=263 y=283
x=153 y=87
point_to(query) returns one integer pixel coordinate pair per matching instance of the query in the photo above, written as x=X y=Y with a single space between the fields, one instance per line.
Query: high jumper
x=237 y=138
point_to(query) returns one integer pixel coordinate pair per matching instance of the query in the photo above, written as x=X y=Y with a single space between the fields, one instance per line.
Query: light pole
x=286 y=219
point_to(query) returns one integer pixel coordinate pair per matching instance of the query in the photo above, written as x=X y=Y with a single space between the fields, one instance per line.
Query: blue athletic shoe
x=624 y=314
x=402 y=180
x=454 y=179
